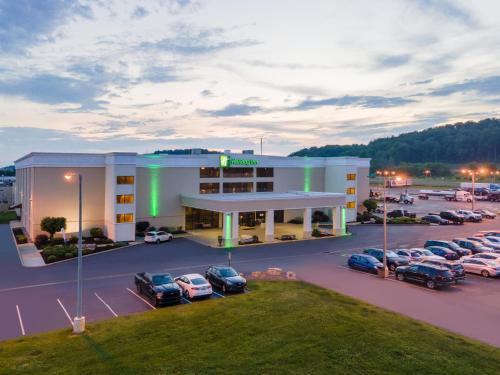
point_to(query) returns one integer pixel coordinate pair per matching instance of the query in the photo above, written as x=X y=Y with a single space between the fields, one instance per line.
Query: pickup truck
x=160 y=288
x=401 y=213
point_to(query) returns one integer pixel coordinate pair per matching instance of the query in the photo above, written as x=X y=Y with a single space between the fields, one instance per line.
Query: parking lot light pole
x=473 y=175
x=385 y=175
x=79 y=320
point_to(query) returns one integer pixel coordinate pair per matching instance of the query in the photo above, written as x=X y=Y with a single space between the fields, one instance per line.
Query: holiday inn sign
x=226 y=161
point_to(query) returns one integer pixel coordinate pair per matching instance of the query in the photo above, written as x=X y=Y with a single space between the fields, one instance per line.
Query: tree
x=52 y=225
x=370 y=205
x=141 y=226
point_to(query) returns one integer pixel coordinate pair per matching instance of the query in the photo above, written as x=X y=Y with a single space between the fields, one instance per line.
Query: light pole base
x=383 y=273
x=79 y=324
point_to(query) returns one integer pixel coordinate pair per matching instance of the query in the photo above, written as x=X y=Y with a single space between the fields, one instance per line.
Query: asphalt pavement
x=42 y=299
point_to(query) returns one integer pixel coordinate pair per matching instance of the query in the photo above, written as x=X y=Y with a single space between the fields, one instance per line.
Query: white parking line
x=20 y=321
x=65 y=311
x=220 y=295
x=105 y=304
x=142 y=299
x=186 y=300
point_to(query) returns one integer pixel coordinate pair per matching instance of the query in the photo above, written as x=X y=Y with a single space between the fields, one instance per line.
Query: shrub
x=165 y=229
x=141 y=226
x=21 y=239
x=51 y=258
x=370 y=205
x=365 y=216
x=96 y=232
x=73 y=240
x=320 y=217
x=41 y=241
x=316 y=232
x=255 y=238
x=403 y=220
x=152 y=228
x=56 y=241
x=52 y=225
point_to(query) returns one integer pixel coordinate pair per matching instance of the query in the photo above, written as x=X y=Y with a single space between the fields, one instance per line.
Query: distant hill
x=10 y=170
x=458 y=143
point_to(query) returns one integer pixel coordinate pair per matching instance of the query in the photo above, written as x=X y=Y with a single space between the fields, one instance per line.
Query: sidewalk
x=28 y=253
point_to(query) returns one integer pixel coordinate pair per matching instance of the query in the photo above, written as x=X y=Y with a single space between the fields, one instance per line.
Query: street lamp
x=79 y=320
x=473 y=174
x=427 y=173
x=494 y=175
x=385 y=174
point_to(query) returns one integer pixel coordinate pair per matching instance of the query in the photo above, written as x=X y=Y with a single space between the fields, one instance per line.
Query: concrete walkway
x=28 y=253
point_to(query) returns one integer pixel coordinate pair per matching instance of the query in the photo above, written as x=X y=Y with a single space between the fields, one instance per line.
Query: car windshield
x=198 y=281
x=427 y=252
x=228 y=272
x=391 y=254
x=161 y=279
x=151 y=234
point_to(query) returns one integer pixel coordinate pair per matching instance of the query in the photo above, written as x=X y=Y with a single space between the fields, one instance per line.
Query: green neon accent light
x=307 y=178
x=226 y=161
x=154 y=189
x=342 y=221
x=229 y=228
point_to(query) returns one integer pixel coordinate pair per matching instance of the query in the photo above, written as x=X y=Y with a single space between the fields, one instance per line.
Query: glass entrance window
x=201 y=219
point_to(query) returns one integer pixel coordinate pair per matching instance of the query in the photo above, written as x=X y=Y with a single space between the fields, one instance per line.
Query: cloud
x=139 y=12
x=53 y=89
x=292 y=66
x=233 y=110
x=356 y=101
x=207 y=93
x=159 y=74
x=447 y=9
x=24 y=23
x=392 y=61
x=189 y=42
x=484 y=86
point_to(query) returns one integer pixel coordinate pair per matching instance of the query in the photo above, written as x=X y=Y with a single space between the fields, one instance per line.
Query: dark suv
x=430 y=275
x=456 y=269
x=393 y=260
x=443 y=252
x=452 y=216
x=225 y=278
x=474 y=246
x=449 y=245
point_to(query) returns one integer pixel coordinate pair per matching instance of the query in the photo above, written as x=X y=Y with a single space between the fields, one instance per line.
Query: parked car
x=364 y=262
x=483 y=267
x=225 y=278
x=490 y=233
x=486 y=242
x=486 y=214
x=456 y=268
x=287 y=237
x=449 y=245
x=194 y=285
x=430 y=275
x=157 y=237
x=470 y=216
x=401 y=213
x=493 y=239
x=160 y=288
x=427 y=254
x=412 y=254
x=435 y=219
x=443 y=252
x=393 y=260
x=246 y=239
x=474 y=246
x=452 y=216
x=494 y=257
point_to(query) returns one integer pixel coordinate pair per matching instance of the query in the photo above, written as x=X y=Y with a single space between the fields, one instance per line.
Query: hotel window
x=208 y=172
x=124 y=218
x=237 y=187
x=351 y=176
x=265 y=186
x=237 y=172
x=125 y=199
x=351 y=205
x=209 y=188
x=265 y=172
x=350 y=191
x=124 y=180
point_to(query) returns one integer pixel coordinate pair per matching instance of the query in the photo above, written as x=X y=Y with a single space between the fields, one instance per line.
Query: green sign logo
x=226 y=161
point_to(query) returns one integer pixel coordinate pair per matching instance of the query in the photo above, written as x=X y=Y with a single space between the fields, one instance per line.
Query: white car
x=157 y=237
x=427 y=254
x=194 y=285
x=470 y=216
x=483 y=267
x=494 y=257
x=246 y=239
x=486 y=242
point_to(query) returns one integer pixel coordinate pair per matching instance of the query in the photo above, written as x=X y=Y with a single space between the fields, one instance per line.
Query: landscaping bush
x=51 y=259
x=141 y=226
x=56 y=241
x=316 y=232
x=21 y=239
x=365 y=216
x=404 y=220
x=52 y=225
x=296 y=220
x=320 y=217
x=370 y=205
x=41 y=241
x=152 y=228
x=165 y=229
x=96 y=233
x=73 y=240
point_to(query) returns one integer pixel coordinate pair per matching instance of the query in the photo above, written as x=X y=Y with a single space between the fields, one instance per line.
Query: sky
x=104 y=75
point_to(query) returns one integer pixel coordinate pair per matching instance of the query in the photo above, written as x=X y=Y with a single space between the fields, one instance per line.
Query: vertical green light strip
x=229 y=228
x=343 y=221
x=307 y=177
x=154 y=189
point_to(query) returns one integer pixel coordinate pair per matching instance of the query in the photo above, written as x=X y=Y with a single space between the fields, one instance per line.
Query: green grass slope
x=278 y=328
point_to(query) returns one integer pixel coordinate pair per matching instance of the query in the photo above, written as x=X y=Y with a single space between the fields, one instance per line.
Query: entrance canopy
x=246 y=202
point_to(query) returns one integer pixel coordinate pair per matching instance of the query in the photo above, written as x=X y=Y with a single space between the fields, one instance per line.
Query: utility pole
x=260 y=146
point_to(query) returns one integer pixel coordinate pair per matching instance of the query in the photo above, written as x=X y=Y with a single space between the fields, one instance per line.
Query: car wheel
x=392 y=267
x=158 y=241
x=400 y=277
x=485 y=273
x=186 y=294
x=170 y=238
x=430 y=284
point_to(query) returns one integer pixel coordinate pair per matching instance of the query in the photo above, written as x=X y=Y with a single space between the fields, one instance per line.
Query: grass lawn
x=278 y=328
x=7 y=216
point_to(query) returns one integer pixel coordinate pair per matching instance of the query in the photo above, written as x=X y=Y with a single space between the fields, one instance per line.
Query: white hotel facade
x=194 y=191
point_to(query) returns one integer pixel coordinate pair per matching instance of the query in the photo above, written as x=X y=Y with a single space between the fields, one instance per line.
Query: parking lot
x=38 y=300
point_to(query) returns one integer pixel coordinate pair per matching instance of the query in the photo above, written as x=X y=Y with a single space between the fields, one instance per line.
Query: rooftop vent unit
x=247 y=152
